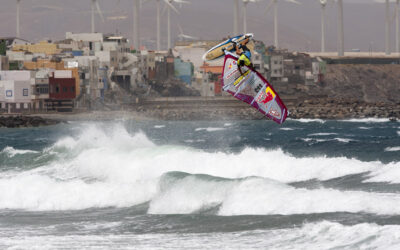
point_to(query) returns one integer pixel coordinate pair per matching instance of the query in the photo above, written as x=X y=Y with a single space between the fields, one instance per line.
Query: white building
x=16 y=90
x=277 y=69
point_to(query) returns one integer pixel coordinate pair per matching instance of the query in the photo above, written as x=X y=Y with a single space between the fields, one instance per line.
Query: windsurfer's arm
x=240 y=69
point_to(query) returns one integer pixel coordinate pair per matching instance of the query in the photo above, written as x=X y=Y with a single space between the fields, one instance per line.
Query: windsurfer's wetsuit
x=244 y=56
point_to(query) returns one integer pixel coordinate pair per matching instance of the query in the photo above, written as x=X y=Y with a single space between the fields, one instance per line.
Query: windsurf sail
x=252 y=88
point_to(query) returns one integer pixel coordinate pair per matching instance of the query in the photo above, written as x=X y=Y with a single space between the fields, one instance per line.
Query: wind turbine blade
x=164 y=9
x=99 y=11
x=171 y=6
x=180 y=29
x=269 y=6
x=182 y=1
x=293 y=1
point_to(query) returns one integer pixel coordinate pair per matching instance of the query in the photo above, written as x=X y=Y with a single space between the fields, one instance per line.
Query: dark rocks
x=343 y=108
x=323 y=108
x=25 y=121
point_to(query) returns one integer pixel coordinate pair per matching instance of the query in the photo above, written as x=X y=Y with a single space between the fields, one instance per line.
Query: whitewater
x=307 y=184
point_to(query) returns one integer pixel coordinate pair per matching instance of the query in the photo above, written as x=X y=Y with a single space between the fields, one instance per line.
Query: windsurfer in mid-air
x=244 y=55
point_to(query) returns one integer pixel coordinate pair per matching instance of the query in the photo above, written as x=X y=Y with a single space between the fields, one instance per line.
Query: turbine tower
x=245 y=2
x=387 y=28
x=158 y=26
x=95 y=5
x=18 y=6
x=136 y=27
x=388 y=23
x=274 y=4
x=397 y=26
x=340 y=29
x=169 y=7
x=323 y=11
x=235 y=17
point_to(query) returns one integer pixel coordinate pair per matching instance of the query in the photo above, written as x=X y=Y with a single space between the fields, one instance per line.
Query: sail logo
x=266 y=96
x=274 y=112
x=269 y=95
x=241 y=78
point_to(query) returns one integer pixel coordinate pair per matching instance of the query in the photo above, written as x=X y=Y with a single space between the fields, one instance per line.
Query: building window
x=65 y=89
x=18 y=106
x=57 y=89
x=73 y=89
x=9 y=93
x=25 y=92
x=26 y=105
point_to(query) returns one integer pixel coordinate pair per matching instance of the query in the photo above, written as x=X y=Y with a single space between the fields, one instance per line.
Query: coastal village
x=95 y=71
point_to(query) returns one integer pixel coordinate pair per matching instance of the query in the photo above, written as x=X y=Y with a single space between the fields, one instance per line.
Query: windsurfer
x=244 y=55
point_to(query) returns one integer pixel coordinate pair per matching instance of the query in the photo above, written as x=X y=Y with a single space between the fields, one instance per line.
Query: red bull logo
x=269 y=95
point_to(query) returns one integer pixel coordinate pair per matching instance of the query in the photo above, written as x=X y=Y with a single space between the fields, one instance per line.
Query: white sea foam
x=345 y=140
x=303 y=120
x=317 y=235
x=209 y=129
x=228 y=124
x=368 y=120
x=159 y=126
x=259 y=196
x=11 y=152
x=392 y=149
x=322 y=134
x=313 y=140
x=398 y=133
x=287 y=129
x=109 y=167
x=365 y=128
x=390 y=174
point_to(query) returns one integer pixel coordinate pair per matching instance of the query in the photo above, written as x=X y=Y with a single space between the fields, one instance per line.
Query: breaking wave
x=103 y=167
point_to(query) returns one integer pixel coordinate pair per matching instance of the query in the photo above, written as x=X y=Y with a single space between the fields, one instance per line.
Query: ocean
x=127 y=184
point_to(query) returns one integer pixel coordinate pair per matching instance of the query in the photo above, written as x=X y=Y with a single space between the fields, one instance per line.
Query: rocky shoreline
x=342 y=109
x=329 y=109
x=323 y=108
x=19 y=121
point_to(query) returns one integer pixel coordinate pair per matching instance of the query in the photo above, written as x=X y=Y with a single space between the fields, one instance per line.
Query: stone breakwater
x=25 y=121
x=342 y=109
x=231 y=109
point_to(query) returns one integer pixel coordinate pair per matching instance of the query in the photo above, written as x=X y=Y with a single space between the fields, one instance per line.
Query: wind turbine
x=387 y=24
x=169 y=7
x=136 y=27
x=158 y=26
x=274 y=4
x=340 y=28
x=18 y=7
x=387 y=28
x=183 y=36
x=323 y=10
x=397 y=26
x=235 y=17
x=95 y=5
x=245 y=2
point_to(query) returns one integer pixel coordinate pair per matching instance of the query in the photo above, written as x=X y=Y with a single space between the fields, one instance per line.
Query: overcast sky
x=299 y=25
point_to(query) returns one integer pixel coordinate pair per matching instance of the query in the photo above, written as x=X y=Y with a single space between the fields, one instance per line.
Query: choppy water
x=308 y=184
